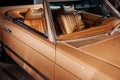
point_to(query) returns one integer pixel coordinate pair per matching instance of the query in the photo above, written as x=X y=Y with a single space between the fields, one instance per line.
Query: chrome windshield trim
x=113 y=8
x=50 y=23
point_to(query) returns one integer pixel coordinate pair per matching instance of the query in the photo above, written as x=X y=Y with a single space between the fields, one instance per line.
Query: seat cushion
x=70 y=23
x=67 y=9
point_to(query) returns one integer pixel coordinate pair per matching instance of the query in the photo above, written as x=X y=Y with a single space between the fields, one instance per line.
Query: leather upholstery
x=70 y=23
x=35 y=19
x=34 y=13
x=38 y=24
x=106 y=25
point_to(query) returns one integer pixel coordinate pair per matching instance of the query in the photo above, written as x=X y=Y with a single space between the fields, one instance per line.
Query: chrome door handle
x=8 y=30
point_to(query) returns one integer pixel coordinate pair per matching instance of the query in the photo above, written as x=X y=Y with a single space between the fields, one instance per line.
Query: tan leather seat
x=35 y=19
x=70 y=23
x=38 y=24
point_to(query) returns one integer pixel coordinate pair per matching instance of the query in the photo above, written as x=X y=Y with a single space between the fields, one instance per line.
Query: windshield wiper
x=114 y=29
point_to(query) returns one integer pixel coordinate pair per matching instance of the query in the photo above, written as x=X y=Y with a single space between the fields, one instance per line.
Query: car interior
x=71 y=20
x=74 y=21
x=30 y=18
x=35 y=19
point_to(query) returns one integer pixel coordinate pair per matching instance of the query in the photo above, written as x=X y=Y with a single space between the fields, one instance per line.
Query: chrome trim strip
x=18 y=21
x=33 y=68
x=113 y=8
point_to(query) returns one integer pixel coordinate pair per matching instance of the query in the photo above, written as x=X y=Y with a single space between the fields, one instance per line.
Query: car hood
x=107 y=51
x=105 y=48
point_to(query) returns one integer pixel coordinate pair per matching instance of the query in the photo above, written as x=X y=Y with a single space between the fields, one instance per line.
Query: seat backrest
x=34 y=13
x=37 y=24
x=70 y=23
x=35 y=19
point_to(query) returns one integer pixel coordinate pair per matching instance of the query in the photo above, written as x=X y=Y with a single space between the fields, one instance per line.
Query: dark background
x=15 y=2
x=116 y=3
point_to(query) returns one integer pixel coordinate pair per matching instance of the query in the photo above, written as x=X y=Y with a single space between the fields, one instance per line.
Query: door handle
x=8 y=30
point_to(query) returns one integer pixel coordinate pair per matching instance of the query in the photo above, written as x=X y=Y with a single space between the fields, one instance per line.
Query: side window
x=30 y=18
x=92 y=6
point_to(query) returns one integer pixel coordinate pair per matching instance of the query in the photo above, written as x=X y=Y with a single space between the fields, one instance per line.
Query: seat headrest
x=34 y=13
x=67 y=9
x=35 y=19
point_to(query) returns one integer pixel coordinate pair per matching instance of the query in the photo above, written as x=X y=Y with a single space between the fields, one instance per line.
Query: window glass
x=92 y=6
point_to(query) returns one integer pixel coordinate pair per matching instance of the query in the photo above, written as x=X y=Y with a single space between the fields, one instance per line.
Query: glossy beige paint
x=30 y=47
x=40 y=62
x=2 y=26
x=21 y=63
x=32 y=72
x=76 y=61
x=33 y=40
x=1 y=34
x=15 y=44
x=62 y=74
x=69 y=62
x=107 y=50
x=35 y=58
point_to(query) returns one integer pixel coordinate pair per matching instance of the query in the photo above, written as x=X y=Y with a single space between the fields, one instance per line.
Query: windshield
x=92 y=6
x=73 y=19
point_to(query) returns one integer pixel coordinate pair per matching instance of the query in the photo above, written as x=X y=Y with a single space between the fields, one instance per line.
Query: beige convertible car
x=63 y=39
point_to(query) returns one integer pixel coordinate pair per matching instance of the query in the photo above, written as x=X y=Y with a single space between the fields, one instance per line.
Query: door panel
x=1 y=34
x=29 y=53
x=25 y=66
x=39 y=43
x=61 y=74
x=14 y=44
x=2 y=27
x=16 y=59
x=41 y=63
x=33 y=73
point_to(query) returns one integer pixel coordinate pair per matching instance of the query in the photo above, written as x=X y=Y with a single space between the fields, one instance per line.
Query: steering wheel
x=99 y=20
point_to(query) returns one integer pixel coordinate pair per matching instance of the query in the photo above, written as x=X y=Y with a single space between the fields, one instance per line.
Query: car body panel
x=103 y=49
x=89 y=66
x=25 y=45
x=2 y=26
x=89 y=57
